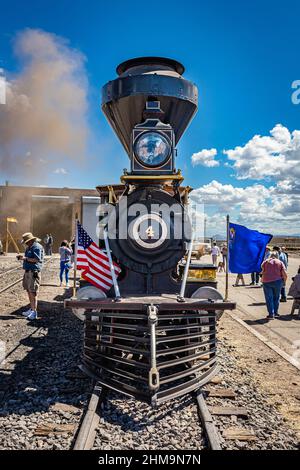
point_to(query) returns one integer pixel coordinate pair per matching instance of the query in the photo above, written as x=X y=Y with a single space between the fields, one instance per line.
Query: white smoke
x=44 y=118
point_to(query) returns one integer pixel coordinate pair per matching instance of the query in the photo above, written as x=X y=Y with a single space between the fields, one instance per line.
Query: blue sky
x=243 y=56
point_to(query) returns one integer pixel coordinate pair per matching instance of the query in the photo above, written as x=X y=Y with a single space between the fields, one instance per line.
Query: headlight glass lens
x=152 y=149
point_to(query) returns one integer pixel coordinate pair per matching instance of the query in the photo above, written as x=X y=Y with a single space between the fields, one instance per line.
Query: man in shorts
x=32 y=265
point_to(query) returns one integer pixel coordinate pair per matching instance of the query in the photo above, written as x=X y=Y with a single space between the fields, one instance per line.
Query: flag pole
x=227 y=258
x=75 y=256
x=180 y=297
x=112 y=269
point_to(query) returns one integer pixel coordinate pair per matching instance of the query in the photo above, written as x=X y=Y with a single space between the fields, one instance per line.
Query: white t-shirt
x=215 y=250
x=65 y=254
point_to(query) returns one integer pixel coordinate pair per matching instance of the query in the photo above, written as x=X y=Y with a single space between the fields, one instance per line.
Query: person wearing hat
x=267 y=252
x=282 y=256
x=32 y=265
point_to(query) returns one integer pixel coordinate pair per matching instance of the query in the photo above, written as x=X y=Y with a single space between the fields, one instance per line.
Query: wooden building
x=43 y=210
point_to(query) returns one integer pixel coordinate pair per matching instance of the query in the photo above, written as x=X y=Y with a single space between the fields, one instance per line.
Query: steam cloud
x=45 y=113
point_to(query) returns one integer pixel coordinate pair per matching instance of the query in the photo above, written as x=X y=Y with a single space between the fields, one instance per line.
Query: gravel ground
x=129 y=424
x=268 y=425
x=8 y=262
x=10 y=277
x=42 y=396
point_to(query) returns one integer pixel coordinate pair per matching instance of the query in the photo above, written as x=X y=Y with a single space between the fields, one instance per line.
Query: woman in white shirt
x=215 y=252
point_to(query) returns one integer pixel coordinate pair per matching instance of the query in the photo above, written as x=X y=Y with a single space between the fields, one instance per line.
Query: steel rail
x=11 y=285
x=11 y=351
x=18 y=280
x=206 y=418
x=87 y=431
x=9 y=271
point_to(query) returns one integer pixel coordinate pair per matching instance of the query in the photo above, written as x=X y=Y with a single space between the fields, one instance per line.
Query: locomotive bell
x=142 y=82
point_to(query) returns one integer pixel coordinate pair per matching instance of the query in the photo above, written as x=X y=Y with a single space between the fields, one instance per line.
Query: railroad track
x=4 y=273
x=87 y=431
x=9 y=286
x=215 y=406
x=6 y=288
x=221 y=409
x=115 y=422
x=18 y=280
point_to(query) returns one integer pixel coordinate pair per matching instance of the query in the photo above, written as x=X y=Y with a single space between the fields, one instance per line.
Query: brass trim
x=145 y=177
x=112 y=198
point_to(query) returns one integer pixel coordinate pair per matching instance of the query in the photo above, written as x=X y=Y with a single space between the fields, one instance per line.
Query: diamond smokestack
x=147 y=79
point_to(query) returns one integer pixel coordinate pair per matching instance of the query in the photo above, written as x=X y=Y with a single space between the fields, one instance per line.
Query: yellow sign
x=202 y=275
x=11 y=219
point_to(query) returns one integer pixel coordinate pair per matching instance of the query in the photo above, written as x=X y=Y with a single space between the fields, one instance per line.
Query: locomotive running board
x=152 y=348
x=167 y=302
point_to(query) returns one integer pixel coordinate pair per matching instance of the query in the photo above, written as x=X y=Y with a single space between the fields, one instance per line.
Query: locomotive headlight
x=152 y=149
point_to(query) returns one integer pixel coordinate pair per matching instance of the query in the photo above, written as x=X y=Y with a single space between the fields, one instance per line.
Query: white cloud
x=205 y=157
x=272 y=209
x=290 y=185
x=227 y=196
x=60 y=171
x=272 y=157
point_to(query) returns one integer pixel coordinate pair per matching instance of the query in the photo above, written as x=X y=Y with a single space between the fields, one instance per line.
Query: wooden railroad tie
x=239 y=434
x=228 y=411
x=64 y=407
x=221 y=393
x=52 y=428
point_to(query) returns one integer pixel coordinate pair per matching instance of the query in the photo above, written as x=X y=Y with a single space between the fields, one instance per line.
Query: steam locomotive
x=155 y=337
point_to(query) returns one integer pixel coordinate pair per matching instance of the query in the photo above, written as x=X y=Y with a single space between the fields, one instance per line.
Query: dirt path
x=42 y=393
x=279 y=381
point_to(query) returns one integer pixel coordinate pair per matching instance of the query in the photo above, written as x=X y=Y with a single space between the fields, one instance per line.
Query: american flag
x=93 y=262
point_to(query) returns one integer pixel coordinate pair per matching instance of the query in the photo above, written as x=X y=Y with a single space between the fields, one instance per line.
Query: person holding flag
x=247 y=251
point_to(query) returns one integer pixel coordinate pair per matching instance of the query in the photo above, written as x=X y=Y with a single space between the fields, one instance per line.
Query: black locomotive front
x=150 y=343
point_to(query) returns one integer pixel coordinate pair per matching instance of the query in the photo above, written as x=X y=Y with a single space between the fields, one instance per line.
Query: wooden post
x=6 y=244
x=13 y=241
x=227 y=258
x=75 y=256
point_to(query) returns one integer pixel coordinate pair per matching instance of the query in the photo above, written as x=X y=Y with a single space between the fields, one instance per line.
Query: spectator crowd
x=272 y=277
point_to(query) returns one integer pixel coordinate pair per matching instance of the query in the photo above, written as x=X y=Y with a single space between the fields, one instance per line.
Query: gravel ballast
x=43 y=395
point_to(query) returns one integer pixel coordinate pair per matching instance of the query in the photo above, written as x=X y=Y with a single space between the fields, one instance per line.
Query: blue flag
x=246 y=249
